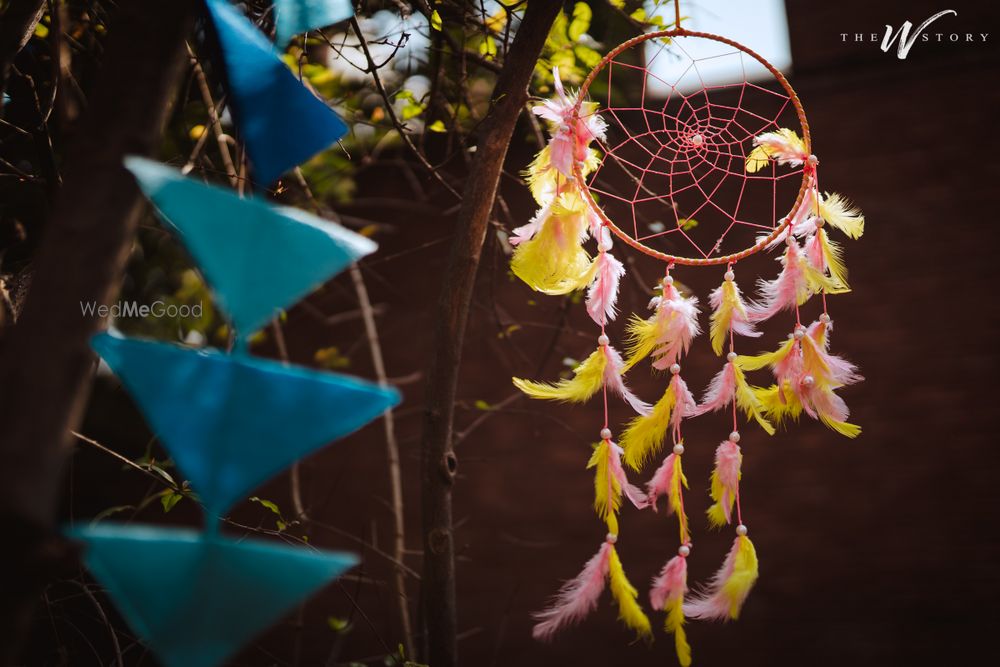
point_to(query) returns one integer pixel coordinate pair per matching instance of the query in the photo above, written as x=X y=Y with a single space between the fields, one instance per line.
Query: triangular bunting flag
x=197 y=598
x=256 y=257
x=232 y=422
x=281 y=122
x=293 y=17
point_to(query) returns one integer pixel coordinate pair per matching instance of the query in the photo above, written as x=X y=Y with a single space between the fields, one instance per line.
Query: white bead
x=603 y=340
x=668 y=280
x=734 y=436
x=605 y=434
x=813 y=160
x=819 y=222
x=789 y=239
x=729 y=276
x=741 y=530
x=808 y=381
x=684 y=551
x=824 y=318
x=612 y=538
x=731 y=356
x=675 y=369
x=799 y=333
x=697 y=139
x=678 y=449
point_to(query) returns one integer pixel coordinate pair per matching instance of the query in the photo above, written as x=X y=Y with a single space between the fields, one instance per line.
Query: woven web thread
x=672 y=173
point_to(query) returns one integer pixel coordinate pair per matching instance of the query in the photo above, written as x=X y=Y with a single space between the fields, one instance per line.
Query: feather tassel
x=667 y=593
x=842 y=215
x=586 y=381
x=625 y=594
x=784 y=146
x=827 y=256
x=610 y=483
x=644 y=435
x=731 y=384
x=728 y=590
x=604 y=367
x=725 y=483
x=667 y=334
x=577 y=597
x=797 y=281
x=602 y=296
x=729 y=312
x=668 y=480
x=553 y=260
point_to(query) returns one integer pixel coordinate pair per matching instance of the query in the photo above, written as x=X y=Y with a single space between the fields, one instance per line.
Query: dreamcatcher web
x=673 y=177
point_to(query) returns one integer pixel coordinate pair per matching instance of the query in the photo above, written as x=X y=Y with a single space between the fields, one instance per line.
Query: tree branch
x=45 y=361
x=438 y=462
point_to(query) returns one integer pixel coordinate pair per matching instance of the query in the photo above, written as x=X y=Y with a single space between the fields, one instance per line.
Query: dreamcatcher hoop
x=760 y=243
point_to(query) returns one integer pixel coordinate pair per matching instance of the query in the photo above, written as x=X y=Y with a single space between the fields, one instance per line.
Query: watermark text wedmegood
x=135 y=309
x=905 y=36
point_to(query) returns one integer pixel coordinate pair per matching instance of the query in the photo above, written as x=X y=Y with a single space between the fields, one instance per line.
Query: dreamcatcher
x=694 y=175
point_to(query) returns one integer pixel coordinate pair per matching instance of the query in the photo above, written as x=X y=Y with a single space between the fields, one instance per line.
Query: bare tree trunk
x=438 y=457
x=45 y=361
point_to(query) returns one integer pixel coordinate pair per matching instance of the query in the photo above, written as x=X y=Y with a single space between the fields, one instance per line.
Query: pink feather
x=631 y=491
x=684 y=403
x=527 y=232
x=577 y=597
x=727 y=466
x=659 y=483
x=603 y=293
x=681 y=317
x=712 y=604
x=720 y=391
x=613 y=380
x=671 y=584
x=814 y=252
x=783 y=292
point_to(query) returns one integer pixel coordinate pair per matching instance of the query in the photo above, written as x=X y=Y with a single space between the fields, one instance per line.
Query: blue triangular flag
x=197 y=598
x=297 y=16
x=232 y=422
x=281 y=122
x=257 y=257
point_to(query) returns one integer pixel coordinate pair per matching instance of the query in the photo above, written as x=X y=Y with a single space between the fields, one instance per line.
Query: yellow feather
x=834 y=257
x=607 y=490
x=643 y=436
x=845 y=429
x=817 y=282
x=541 y=176
x=757 y=160
x=640 y=341
x=587 y=379
x=674 y=500
x=717 y=512
x=625 y=595
x=759 y=361
x=840 y=213
x=675 y=624
x=747 y=400
x=554 y=261
x=779 y=405
x=743 y=577
x=721 y=319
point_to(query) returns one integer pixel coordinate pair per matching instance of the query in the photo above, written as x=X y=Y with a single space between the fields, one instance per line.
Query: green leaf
x=582 y=15
x=338 y=624
x=587 y=55
x=436 y=20
x=266 y=503
x=169 y=498
x=437 y=126
x=482 y=405
x=104 y=514
x=687 y=223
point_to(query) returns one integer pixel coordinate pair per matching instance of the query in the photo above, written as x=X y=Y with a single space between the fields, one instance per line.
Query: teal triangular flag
x=197 y=598
x=297 y=16
x=281 y=122
x=232 y=422
x=257 y=257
